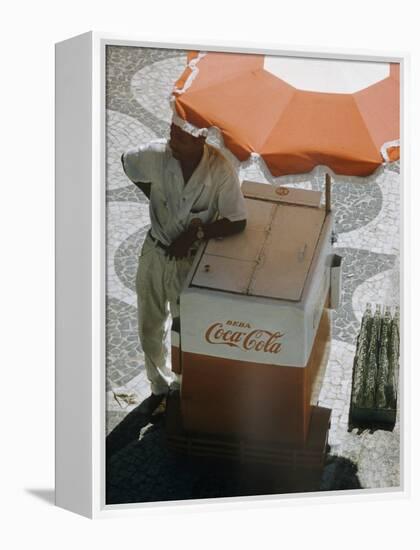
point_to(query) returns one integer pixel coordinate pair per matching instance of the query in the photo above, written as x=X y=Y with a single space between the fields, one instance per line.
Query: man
x=194 y=195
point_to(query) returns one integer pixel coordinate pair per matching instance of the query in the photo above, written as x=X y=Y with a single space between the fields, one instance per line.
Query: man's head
x=185 y=146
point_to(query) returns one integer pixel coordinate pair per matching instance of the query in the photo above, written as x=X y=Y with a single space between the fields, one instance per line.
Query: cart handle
x=327 y=193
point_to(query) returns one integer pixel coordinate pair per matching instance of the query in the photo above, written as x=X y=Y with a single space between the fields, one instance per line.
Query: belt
x=158 y=243
x=191 y=252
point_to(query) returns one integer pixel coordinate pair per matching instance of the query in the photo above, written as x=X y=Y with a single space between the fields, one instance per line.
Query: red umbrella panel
x=293 y=130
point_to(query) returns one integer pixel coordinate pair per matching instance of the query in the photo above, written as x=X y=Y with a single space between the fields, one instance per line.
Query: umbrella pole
x=327 y=193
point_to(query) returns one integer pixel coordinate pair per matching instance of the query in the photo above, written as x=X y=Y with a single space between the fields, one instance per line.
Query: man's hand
x=220 y=228
x=182 y=244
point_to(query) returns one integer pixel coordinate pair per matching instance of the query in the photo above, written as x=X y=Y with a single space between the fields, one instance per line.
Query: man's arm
x=144 y=186
x=220 y=228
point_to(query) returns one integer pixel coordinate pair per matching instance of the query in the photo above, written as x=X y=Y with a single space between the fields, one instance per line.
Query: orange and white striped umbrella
x=295 y=113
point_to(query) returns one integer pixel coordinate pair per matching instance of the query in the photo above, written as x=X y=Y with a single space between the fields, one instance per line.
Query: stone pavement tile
x=152 y=85
x=124 y=220
x=383 y=289
x=123 y=133
x=124 y=356
x=122 y=63
x=126 y=259
x=381 y=234
x=358 y=266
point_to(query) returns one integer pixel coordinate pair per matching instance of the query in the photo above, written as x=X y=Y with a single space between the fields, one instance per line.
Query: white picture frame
x=80 y=271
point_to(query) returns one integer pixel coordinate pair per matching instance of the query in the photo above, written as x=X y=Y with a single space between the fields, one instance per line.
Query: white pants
x=159 y=282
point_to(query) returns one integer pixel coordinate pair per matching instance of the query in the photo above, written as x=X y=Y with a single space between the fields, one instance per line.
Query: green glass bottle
x=383 y=360
x=394 y=355
x=360 y=358
x=371 y=370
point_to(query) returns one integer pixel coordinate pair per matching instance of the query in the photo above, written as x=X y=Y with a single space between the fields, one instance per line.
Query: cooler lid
x=286 y=195
x=271 y=258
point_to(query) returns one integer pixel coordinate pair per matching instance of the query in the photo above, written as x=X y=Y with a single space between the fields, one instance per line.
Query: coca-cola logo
x=241 y=335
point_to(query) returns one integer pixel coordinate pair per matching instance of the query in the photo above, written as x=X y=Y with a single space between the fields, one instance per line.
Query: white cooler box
x=253 y=329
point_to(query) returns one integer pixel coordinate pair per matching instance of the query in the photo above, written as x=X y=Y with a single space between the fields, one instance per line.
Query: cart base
x=282 y=466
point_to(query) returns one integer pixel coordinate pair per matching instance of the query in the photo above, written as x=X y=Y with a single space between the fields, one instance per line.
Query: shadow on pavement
x=129 y=429
x=146 y=470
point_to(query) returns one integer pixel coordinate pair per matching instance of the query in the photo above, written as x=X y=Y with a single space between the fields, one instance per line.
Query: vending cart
x=252 y=340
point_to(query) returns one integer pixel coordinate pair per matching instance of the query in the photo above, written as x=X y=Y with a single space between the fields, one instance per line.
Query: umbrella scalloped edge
x=256 y=161
x=193 y=71
x=390 y=150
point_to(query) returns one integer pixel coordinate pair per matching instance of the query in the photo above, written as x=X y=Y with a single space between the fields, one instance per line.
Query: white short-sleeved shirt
x=213 y=191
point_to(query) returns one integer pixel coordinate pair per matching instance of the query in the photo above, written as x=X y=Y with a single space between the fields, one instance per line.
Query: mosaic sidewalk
x=367 y=224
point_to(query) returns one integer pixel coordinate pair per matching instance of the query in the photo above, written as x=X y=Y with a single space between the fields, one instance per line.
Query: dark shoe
x=151 y=403
x=161 y=408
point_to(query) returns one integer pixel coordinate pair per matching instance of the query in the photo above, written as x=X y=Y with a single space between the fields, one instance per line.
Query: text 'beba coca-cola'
x=248 y=340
